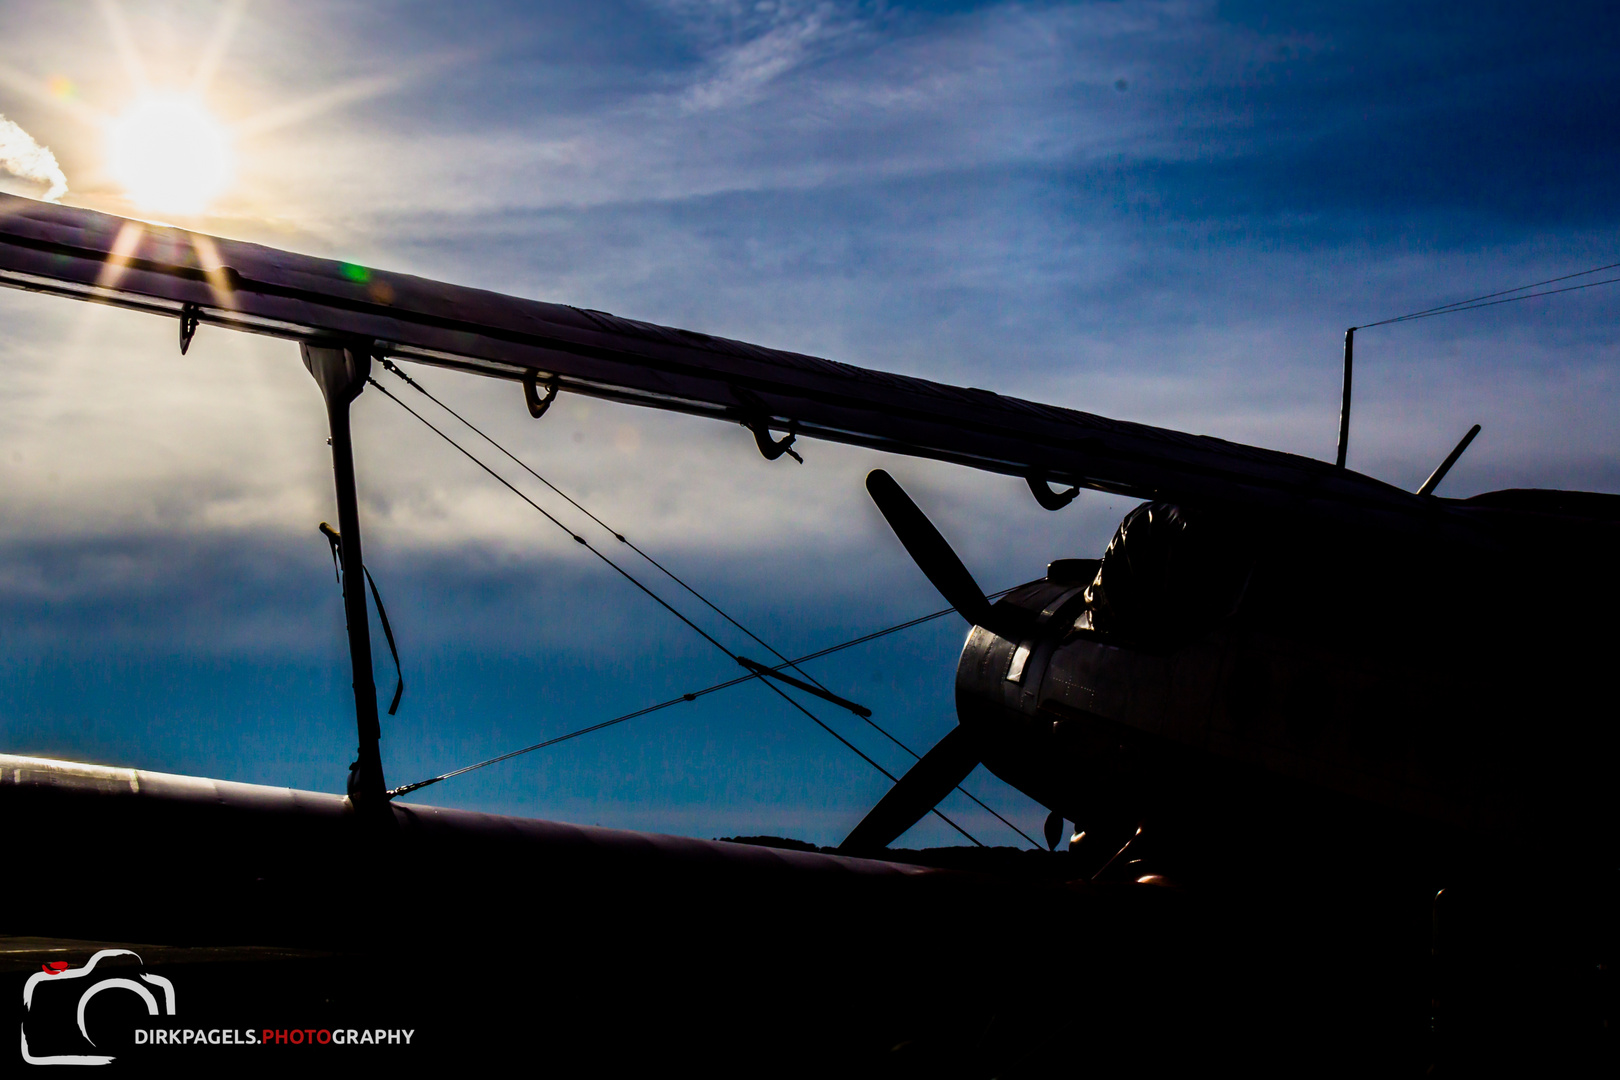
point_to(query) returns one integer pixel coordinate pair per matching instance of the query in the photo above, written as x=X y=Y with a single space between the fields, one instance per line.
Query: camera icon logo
x=62 y=991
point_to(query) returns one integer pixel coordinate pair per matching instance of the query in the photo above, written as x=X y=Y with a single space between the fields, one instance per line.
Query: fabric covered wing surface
x=93 y=256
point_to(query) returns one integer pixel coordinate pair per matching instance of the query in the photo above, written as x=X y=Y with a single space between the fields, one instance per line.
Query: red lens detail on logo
x=55 y=967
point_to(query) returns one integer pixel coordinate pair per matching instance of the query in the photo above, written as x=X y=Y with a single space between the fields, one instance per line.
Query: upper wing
x=93 y=256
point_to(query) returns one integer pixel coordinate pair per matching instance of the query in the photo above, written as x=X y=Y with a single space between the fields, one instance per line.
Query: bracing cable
x=694 y=695
x=654 y=596
x=821 y=690
x=394 y=369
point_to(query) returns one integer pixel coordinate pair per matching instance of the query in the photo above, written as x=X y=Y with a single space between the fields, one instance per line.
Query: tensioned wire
x=694 y=695
x=1489 y=299
x=394 y=369
x=657 y=599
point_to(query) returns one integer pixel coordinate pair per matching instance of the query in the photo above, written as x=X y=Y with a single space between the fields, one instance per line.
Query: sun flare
x=169 y=153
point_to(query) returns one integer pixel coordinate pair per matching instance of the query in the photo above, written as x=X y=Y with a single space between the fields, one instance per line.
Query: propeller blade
x=924 y=785
x=932 y=554
x=1054 y=829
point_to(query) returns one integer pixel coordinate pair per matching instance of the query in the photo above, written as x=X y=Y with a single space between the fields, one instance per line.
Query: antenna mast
x=1344 y=400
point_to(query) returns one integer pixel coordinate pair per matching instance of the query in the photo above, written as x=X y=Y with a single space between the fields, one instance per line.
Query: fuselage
x=1352 y=685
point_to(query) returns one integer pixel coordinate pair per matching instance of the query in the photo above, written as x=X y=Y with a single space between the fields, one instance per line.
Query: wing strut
x=340 y=370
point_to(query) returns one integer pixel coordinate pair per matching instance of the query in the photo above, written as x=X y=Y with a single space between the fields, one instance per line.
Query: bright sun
x=169 y=153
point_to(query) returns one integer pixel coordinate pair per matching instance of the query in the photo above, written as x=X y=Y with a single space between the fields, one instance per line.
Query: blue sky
x=1165 y=212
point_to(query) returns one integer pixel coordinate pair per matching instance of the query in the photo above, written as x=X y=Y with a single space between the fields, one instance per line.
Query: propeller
x=934 y=557
x=918 y=791
x=956 y=755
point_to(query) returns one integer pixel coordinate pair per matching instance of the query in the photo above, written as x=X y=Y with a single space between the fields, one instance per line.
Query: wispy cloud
x=797 y=96
x=781 y=37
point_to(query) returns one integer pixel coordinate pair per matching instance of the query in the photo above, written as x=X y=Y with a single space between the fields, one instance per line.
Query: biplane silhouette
x=1288 y=707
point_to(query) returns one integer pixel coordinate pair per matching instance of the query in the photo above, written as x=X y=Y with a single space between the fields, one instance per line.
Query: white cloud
x=26 y=159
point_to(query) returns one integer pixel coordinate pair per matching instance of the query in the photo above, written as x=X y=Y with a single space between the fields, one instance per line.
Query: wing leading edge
x=105 y=259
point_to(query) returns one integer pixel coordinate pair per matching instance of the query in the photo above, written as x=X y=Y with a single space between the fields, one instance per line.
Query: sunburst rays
x=166 y=149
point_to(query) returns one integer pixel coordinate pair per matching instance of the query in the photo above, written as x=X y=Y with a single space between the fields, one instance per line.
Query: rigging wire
x=1488 y=300
x=694 y=695
x=394 y=369
x=656 y=598
x=586 y=544
x=390 y=366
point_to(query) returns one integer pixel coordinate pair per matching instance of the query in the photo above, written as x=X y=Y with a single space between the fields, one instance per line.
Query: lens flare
x=169 y=153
